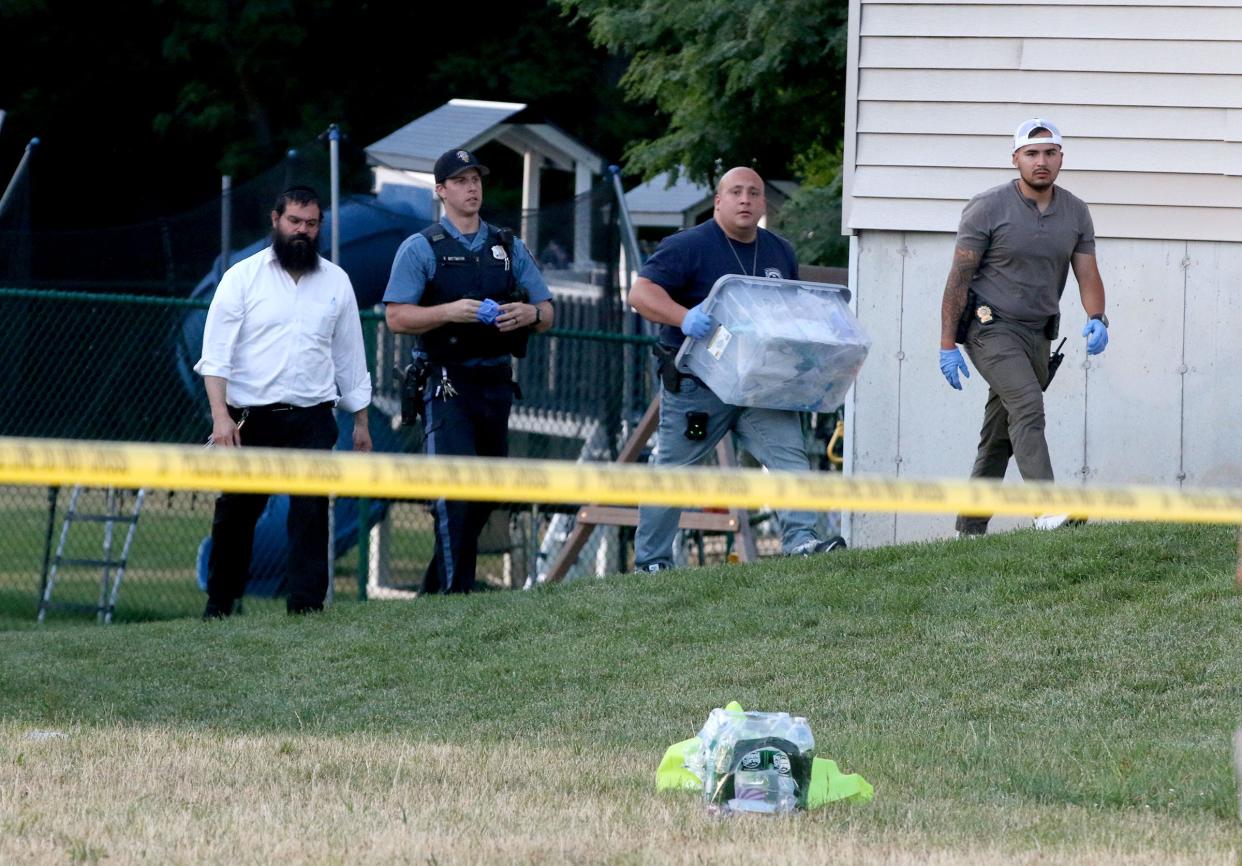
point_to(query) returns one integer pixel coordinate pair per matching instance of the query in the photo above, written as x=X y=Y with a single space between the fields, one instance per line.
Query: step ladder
x=112 y=569
x=590 y=516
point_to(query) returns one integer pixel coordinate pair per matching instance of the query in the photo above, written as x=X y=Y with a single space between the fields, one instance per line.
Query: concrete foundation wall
x=1162 y=406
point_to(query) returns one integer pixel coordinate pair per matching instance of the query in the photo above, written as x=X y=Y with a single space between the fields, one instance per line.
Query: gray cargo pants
x=1013 y=358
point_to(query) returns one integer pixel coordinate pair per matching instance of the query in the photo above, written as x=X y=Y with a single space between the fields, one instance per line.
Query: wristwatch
x=1103 y=318
x=539 y=315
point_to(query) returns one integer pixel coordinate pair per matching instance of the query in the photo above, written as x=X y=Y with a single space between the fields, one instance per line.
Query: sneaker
x=1058 y=521
x=652 y=567
x=816 y=545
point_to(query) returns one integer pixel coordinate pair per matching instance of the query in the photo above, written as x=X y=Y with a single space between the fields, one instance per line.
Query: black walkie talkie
x=1054 y=362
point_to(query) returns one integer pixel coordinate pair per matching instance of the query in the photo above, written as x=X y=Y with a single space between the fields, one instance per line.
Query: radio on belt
x=778 y=344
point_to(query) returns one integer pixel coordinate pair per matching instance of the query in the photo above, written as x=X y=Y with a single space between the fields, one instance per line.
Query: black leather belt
x=282 y=407
x=481 y=374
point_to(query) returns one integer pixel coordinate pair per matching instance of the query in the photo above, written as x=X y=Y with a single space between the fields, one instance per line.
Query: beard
x=297 y=253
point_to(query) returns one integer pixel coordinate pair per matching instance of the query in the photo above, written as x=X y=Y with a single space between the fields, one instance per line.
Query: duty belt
x=480 y=374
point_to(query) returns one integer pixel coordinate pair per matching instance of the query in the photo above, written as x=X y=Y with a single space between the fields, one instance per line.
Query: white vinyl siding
x=1148 y=95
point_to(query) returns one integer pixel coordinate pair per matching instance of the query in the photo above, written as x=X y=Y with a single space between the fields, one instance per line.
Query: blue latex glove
x=951 y=361
x=488 y=311
x=697 y=324
x=1097 y=336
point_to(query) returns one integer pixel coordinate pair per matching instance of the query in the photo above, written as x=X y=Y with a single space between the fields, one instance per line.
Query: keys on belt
x=444 y=388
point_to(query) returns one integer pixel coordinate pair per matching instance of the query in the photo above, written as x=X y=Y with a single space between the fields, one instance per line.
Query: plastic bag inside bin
x=778 y=344
x=754 y=762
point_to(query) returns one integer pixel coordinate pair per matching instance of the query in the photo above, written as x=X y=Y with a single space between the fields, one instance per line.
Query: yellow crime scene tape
x=57 y=462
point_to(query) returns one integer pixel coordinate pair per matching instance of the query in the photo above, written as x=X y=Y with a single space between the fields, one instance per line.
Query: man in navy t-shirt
x=669 y=291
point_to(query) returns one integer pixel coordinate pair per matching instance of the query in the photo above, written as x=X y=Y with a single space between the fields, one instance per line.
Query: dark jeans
x=232 y=529
x=1014 y=360
x=473 y=423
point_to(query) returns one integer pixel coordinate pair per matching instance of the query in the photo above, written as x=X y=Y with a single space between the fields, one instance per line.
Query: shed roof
x=655 y=202
x=458 y=123
x=471 y=123
x=657 y=196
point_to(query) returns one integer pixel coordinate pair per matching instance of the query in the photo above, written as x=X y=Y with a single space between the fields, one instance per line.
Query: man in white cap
x=1015 y=246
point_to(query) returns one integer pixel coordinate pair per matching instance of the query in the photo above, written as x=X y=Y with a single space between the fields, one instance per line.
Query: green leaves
x=742 y=82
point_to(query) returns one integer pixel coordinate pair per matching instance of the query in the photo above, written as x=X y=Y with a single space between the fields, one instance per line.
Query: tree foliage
x=811 y=218
x=152 y=100
x=740 y=81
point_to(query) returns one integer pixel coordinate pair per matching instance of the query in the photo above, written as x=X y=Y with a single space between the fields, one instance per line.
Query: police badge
x=984 y=312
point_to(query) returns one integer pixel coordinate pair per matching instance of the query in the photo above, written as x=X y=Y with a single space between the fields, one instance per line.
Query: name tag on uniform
x=498 y=253
x=455 y=259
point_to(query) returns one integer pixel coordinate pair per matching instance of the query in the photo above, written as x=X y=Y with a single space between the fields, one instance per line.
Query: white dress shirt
x=277 y=341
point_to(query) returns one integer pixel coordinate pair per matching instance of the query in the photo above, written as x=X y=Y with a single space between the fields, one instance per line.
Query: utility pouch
x=413 y=380
x=666 y=361
x=968 y=313
x=1052 y=327
x=696 y=426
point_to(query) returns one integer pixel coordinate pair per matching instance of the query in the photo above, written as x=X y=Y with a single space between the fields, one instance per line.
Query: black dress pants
x=232 y=529
x=472 y=423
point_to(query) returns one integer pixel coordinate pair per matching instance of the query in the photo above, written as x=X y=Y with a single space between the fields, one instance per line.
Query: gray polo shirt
x=1026 y=254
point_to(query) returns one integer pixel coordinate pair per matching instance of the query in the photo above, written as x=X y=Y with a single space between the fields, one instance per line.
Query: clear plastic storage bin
x=778 y=344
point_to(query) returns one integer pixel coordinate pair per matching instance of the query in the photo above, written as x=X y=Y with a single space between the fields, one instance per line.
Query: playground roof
x=469 y=124
x=656 y=197
x=657 y=203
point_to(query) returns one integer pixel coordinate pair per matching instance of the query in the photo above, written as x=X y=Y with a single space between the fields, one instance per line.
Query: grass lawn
x=160 y=581
x=1062 y=697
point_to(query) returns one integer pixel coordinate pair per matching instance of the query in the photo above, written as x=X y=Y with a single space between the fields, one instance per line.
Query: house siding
x=1149 y=98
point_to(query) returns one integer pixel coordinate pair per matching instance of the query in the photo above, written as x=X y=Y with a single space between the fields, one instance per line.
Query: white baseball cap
x=1022 y=136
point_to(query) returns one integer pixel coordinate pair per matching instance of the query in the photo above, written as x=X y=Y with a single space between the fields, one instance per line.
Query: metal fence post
x=364 y=547
x=226 y=222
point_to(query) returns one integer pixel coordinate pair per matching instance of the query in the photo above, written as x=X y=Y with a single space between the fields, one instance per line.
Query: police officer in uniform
x=473 y=294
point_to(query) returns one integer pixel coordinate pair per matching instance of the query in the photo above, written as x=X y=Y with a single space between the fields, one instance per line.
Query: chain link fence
x=117 y=367
x=103 y=327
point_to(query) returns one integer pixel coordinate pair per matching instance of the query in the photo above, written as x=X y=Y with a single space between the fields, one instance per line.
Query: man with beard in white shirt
x=282 y=347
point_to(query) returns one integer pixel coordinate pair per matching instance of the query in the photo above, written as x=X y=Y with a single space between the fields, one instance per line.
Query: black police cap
x=454 y=162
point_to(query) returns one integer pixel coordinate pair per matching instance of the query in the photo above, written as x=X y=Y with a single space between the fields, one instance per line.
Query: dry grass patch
x=125 y=794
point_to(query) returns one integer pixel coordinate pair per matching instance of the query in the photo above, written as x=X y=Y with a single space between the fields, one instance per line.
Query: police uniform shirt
x=1025 y=254
x=687 y=264
x=277 y=341
x=415 y=265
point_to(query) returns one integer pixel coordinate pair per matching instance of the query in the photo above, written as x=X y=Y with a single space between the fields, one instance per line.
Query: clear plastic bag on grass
x=757 y=762
x=754 y=762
